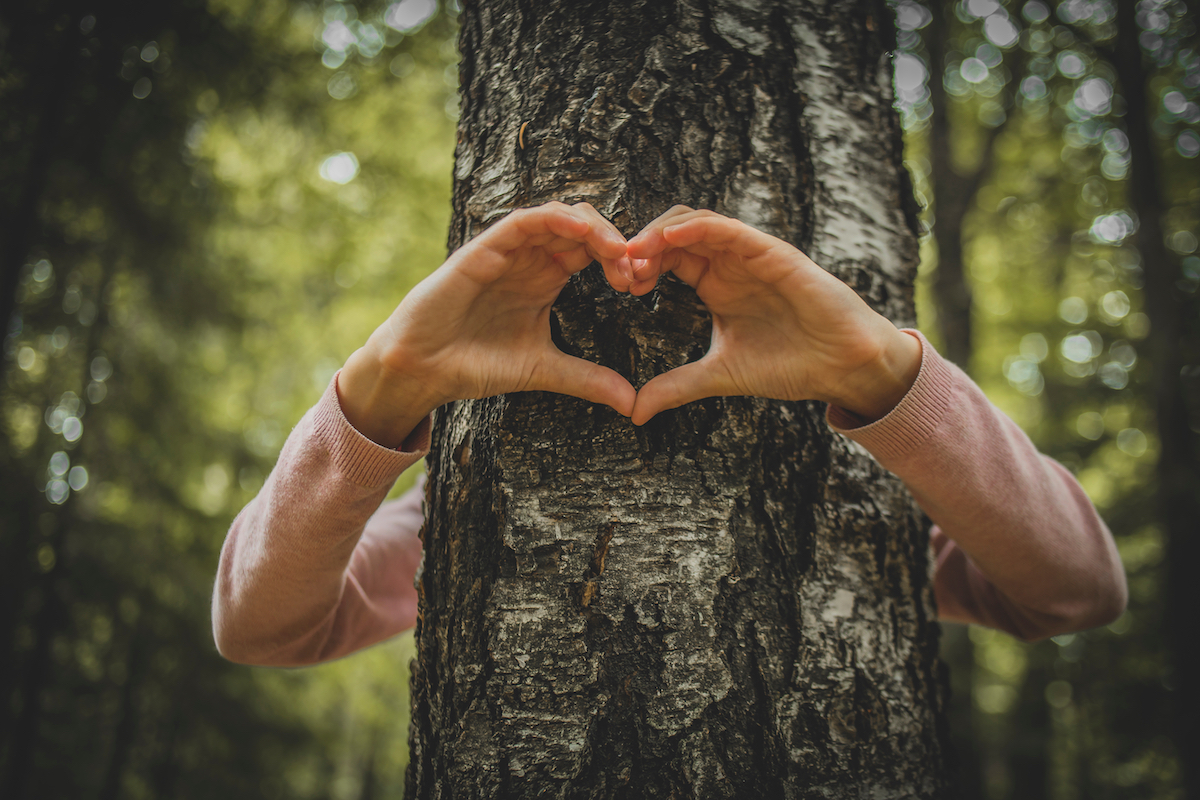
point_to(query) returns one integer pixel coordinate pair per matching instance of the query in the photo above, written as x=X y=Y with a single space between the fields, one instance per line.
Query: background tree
x=730 y=601
x=1057 y=244
x=187 y=204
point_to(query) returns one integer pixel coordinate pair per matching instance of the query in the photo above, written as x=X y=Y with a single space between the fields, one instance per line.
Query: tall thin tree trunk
x=136 y=660
x=732 y=601
x=1174 y=341
x=23 y=742
x=952 y=195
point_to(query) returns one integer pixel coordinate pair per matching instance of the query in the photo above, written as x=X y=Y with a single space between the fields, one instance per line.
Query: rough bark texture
x=732 y=601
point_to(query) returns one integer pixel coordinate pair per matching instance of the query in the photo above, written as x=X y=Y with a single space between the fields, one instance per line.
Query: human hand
x=782 y=327
x=480 y=325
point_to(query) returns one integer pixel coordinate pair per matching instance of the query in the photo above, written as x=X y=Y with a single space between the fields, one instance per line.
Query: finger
x=603 y=239
x=531 y=225
x=649 y=241
x=574 y=259
x=619 y=273
x=617 y=270
x=688 y=267
x=646 y=268
x=566 y=374
x=719 y=233
x=680 y=386
x=597 y=219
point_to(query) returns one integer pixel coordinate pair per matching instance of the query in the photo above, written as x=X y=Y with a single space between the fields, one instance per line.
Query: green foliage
x=1060 y=327
x=196 y=270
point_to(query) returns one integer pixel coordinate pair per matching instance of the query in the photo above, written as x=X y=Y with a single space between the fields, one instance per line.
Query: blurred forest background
x=207 y=206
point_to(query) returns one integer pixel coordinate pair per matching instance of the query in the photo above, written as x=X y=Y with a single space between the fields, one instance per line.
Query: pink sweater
x=315 y=567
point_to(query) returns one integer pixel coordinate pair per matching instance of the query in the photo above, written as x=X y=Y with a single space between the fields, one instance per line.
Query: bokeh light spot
x=60 y=462
x=57 y=491
x=1000 y=31
x=1090 y=425
x=912 y=16
x=981 y=8
x=1112 y=228
x=1077 y=348
x=77 y=479
x=1115 y=305
x=72 y=429
x=973 y=70
x=1114 y=376
x=409 y=15
x=1132 y=442
x=101 y=369
x=1074 y=310
x=1034 y=347
x=1187 y=144
x=340 y=168
x=1033 y=87
x=1071 y=64
x=342 y=86
x=1094 y=96
x=1035 y=11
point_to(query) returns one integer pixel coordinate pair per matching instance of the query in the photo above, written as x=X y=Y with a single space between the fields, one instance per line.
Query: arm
x=1018 y=545
x=310 y=570
x=299 y=579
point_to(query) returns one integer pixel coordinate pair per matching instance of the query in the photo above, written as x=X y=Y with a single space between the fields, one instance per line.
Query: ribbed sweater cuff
x=913 y=419
x=360 y=460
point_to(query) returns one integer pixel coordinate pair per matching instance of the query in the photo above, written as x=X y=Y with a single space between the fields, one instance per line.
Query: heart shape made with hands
x=479 y=325
x=782 y=327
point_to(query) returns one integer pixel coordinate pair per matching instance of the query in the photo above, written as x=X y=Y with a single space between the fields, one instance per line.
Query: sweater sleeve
x=314 y=567
x=1018 y=544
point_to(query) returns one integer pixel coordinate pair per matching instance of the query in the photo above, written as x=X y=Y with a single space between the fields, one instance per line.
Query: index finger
x=555 y=220
x=649 y=241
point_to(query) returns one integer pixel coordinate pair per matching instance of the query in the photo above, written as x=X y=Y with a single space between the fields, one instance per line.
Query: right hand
x=480 y=325
x=782 y=327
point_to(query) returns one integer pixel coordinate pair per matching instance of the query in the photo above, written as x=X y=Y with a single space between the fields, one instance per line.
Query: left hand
x=782 y=327
x=480 y=325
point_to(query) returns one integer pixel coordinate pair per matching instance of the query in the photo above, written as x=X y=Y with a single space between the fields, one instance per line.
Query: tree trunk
x=952 y=196
x=731 y=601
x=1174 y=342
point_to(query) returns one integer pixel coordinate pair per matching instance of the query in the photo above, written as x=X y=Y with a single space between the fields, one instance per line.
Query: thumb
x=576 y=377
x=678 y=387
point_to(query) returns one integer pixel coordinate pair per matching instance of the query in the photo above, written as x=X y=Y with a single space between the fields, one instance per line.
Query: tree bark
x=731 y=601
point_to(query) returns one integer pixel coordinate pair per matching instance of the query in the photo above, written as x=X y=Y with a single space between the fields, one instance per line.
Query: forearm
x=1045 y=561
x=286 y=590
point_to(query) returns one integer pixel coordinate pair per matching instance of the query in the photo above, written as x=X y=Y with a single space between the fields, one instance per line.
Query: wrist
x=878 y=387
x=383 y=404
